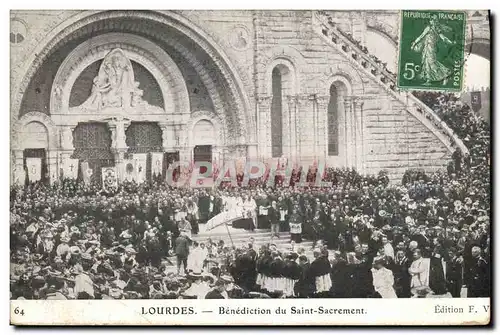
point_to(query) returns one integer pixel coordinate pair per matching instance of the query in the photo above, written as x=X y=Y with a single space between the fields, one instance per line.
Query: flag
x=475 y=101
x=34 y=165
x=156 y=163
x=140 y=164
x=71 y=168
x=223 y=218
x=232 y=211
x=129 y=170
x=109 y=179
x=87 y=172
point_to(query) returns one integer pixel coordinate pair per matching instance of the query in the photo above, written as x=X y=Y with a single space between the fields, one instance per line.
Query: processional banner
x=130 y=170
x=87 y=172
x=70 y=168
x=109 y=179
x=140 y=165
x=34 y=165
x=156 y=163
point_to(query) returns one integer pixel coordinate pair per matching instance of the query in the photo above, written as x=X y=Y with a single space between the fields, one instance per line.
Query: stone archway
x=155 y=60
x=18 y=141
x=242 y=123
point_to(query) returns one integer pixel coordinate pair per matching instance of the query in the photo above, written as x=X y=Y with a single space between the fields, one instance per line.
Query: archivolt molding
x=64 y=33
x=217 y=122
x=344 y=73
x=16 y=130
x=285 y=55
x=138 y=49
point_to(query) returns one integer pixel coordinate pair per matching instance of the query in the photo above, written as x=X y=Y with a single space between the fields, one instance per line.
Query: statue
x=114 y=85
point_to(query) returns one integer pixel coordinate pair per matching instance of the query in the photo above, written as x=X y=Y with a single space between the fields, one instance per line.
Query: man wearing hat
x=84 y=285
x=182 y=252
x=478 y=275
x=320 y=269
x=55 y=287
x=292 y=273
x=220 y=288
x=63 y=249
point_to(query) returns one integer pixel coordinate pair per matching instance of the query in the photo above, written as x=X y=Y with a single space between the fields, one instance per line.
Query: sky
x=477 y=72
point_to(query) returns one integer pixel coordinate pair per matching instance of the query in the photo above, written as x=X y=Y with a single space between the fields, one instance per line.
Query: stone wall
x=383 y=134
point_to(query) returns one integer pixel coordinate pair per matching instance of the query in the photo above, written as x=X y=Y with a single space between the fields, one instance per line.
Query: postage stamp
x=431 y=50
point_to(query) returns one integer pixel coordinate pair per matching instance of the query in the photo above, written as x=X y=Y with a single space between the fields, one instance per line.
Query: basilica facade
x=99 y=86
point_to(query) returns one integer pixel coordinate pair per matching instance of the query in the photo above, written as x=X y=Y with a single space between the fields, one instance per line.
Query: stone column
x=119 y=147
x=167 y=136
x=264 y=126
x=307 y=130
x=322 y=129
x=181 y=143
x=299 y=103
x=67 y=147
x=348 y=133
x=360 y=152
x=18 y=168
x=52 y=166
x=292 y=125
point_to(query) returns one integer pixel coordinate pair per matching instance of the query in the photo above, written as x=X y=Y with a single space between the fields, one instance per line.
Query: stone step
x=240 y=237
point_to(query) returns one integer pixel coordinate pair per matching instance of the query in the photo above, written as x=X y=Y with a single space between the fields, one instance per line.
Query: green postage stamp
x=431 y=50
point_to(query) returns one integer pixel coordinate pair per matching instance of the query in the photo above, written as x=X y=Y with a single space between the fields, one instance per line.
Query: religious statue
x=114 y=85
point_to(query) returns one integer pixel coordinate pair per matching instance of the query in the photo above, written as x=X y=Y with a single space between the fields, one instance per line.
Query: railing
x=359 y=54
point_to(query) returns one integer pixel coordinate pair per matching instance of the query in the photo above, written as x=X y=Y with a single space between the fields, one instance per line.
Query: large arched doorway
x=35 y=143
x=92 y=142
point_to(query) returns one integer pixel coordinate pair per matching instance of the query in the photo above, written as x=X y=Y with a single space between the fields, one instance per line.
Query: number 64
x=410 y=69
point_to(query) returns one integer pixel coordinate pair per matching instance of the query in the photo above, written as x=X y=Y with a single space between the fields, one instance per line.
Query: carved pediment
x=115 y=87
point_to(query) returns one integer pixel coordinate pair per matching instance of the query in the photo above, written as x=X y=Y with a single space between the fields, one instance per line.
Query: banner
x=475 y=101
x=156 y=163
x=87 y=172
x=70 y=168
x=140 y=165
x=109 y=179
x=233 y=210
x=129 y=173
x=223 y=218
x=34 y=165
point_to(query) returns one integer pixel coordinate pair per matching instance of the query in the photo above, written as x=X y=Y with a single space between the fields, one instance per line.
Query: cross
x=71 y=166
x=140 y=168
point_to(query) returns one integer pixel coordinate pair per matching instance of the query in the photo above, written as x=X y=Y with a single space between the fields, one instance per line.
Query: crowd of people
x=426 y=236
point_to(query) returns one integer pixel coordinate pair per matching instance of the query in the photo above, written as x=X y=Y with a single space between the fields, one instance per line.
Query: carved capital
x=322 y=100
x=67 y=138
x=293 y=100
x=358 y=102
x=264 y=101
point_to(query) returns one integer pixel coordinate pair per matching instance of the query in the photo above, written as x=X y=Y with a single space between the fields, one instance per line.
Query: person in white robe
x=383 y=279
x=419 y=270
x=388 y=249
x=196 y=258
x=83 y=283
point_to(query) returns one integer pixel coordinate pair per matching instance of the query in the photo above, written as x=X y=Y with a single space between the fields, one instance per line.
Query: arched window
x=338 y=129
x=277 y=114
x=17 y=31
x=333 y=122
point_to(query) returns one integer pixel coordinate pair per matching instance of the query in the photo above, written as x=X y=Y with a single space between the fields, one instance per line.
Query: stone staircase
x=373 y=68
x=240 y=237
